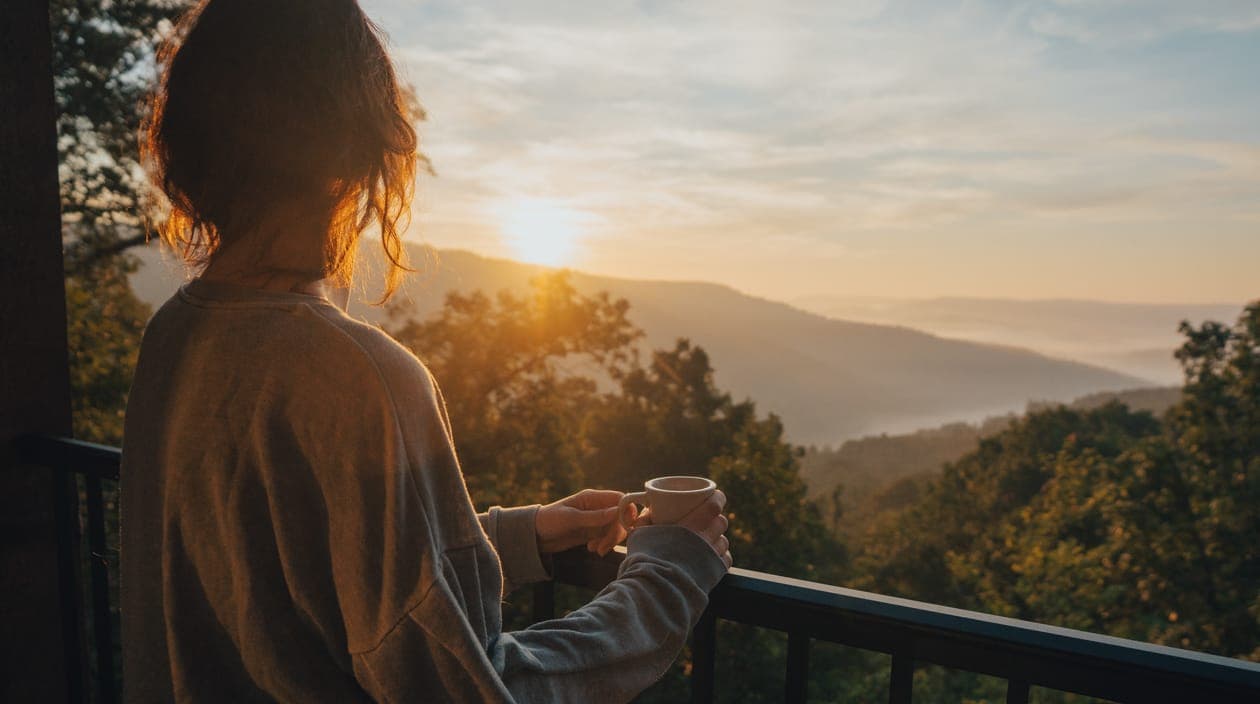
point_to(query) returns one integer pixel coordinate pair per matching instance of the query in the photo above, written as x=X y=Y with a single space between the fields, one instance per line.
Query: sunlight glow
x=541 y=230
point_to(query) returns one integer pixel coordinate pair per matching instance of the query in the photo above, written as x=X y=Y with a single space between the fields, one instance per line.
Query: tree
x=510 y=369
x=773 y=527
x=105 y=324
x=1214 y=434
x=669 y=418
x=103 y=58
x=1106 y=520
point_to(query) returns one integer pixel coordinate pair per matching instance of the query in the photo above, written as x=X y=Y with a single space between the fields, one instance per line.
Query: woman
x=294 y=522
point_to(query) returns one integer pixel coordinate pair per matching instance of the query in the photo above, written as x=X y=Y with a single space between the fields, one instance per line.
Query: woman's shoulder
x=300 y=343
x=398 y=366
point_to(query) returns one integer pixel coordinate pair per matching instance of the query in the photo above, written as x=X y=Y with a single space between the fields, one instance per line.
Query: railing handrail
x=70 y=455
x=1162 y=663
x=1023 y=652
x=1011 y=630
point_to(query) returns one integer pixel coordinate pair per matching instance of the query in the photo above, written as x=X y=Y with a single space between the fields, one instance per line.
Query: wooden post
x=41 y=655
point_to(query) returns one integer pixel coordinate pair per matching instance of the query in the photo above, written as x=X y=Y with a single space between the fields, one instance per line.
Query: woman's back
x=258 y=447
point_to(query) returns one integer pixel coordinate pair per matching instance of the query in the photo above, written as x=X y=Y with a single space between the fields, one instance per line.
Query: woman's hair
x=267 y=107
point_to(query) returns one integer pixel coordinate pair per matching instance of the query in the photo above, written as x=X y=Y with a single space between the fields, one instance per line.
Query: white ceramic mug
x=670 y=498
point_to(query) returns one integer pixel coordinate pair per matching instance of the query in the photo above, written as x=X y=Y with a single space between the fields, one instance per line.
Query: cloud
x=1119 y=22
x=826 y=122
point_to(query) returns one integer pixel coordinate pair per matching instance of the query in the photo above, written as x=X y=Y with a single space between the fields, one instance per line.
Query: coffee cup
x=670 y=498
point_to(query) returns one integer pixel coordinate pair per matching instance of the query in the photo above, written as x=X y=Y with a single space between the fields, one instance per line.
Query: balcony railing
x=1023 y=653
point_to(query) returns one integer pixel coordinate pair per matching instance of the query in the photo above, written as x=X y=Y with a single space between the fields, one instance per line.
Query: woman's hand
x=705 y=520
x=589 y=518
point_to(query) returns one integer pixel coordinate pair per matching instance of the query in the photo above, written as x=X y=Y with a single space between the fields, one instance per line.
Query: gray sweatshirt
x=295 y=527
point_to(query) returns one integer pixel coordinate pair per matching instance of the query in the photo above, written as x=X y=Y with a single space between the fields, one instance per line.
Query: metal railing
x=914 y=633
x=95 y=463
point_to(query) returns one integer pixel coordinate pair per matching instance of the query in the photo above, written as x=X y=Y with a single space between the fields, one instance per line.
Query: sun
x=541 y=230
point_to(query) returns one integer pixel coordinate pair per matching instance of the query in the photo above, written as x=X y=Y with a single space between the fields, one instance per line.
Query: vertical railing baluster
x=901 y=679
x=703 y=659
x=544 y=607
x=102 y=621
x=1016 y=692
x=66 y=515
x=797 y=667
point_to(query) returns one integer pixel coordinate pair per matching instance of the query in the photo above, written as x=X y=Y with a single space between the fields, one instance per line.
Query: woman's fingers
x=615 y=537
x=608 y=538
x=700 y=517
x=715 y=503
x=643 y=519
x=715 y=529
x=709 y=523
x=721 y=545
x=588 y=499
x=712 y=506
x=595 y=518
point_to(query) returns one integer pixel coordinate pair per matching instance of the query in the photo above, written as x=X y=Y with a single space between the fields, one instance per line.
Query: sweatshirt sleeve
x=514 y=535
x=625 y=638
x=607 y=651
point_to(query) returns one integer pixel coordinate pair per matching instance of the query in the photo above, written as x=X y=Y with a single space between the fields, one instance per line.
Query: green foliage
x=103 y=64
x=861 y=479
x=508 y=369
x=773 y=526
x=881 y=474
x=105 y=324
x=1105 y=520
x=1209 y=479
x=668 y=419
x=910 y=554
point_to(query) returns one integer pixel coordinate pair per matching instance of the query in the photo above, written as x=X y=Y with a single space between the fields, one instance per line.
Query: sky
x=1085 y=149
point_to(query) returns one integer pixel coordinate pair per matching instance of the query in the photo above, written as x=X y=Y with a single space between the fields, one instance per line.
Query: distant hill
x=828 y=379
x=1154 y=400
x=865 y=465
x=879 y=472
x=1134 y=338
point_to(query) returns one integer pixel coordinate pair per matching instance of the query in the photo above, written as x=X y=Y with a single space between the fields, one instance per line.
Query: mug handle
x=635 y=497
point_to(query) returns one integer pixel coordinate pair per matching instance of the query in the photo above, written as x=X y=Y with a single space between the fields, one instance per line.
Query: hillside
x=1135 y=338
x=829 y=380
x=867 y=466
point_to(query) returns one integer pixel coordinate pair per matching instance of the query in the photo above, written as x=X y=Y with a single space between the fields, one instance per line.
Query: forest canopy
x=1100 y=517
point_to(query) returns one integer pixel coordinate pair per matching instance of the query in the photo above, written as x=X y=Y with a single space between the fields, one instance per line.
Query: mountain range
x=828 y=379
x=1135 y=338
